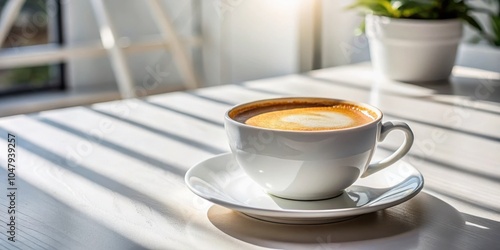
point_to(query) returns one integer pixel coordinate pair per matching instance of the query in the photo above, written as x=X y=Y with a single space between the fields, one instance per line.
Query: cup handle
x=386 y=128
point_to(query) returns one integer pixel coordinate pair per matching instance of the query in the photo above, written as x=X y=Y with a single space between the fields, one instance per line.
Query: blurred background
x=61 y=53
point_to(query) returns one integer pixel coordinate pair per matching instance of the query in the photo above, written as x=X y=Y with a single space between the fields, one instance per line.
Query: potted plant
x=414 y=40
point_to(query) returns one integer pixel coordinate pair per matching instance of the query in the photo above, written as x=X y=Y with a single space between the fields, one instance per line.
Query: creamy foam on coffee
x=312 y=118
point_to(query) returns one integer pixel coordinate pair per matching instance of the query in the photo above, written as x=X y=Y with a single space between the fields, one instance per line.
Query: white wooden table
x=110 y=176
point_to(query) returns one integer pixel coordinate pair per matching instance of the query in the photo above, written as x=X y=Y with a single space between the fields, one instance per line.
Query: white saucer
x=220 y=180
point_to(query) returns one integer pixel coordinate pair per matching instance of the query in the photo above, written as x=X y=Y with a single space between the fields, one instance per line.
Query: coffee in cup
x=307 y=116
x=307 y=148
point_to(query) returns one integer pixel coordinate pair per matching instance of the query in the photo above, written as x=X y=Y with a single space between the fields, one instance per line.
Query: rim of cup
x=369 y=107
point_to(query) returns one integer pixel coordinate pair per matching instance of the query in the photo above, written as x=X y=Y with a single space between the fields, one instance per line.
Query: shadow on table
x=482 y=89
x=477 y=89
x=44 y=222
x=424 y=221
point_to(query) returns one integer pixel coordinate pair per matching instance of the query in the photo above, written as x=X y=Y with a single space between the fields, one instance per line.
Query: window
x=37 y=24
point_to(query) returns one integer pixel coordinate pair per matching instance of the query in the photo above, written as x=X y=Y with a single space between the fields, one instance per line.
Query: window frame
x=60 y=68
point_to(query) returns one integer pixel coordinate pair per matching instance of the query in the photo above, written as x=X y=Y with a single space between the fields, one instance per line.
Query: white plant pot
x=413 y=50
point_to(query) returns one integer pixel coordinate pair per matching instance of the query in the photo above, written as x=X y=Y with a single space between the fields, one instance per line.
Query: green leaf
x=472 y=22
x=432 y=9
x=361 y=29
x=412 y=8
x=377 y=7
x=495 y=26
x=482 y=10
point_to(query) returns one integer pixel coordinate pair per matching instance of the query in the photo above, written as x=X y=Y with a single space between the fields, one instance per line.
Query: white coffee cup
x=310 y=165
